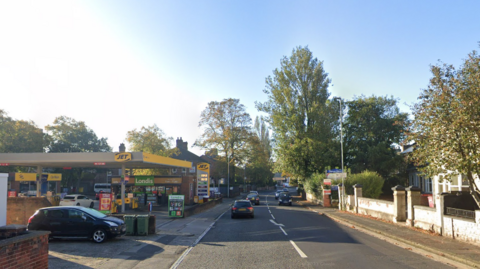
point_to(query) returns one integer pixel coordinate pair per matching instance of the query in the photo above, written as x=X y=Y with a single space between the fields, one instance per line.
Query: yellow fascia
x=156 y=159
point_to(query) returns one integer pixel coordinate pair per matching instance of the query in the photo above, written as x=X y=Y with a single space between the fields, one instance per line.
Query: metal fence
x=468 y=214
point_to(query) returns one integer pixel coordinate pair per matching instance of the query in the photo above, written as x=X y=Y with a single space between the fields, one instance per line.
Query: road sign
x=334 y=171
x=336 y=175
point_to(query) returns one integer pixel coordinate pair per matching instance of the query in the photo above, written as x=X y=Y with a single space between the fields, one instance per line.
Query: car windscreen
x=69 y=198
x=242 y=204
x=94 y=213
x=284 y=195
x=251 y=195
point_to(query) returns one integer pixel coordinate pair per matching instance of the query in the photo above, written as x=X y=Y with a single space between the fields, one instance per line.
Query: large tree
x=226 y=127
x=447 y=123
x=151 y=140
x=259 y=163
x=373 y=127
x=303 y=120
x=68 y=135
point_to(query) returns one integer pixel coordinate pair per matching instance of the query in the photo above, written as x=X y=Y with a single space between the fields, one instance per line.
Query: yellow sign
x=204 y=167
x=123 y=157
x=54 y=177
x=25 y=176
x=33 y=177
x=163 y=180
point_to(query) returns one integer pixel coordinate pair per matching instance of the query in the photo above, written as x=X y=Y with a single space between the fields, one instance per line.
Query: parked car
x=284 y=198
x=253 y=198
x=242 y=208
x=76 y=222
x=76 y=199
x=277 y=193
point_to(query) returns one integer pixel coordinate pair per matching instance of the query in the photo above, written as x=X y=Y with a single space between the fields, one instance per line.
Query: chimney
x=121 y=148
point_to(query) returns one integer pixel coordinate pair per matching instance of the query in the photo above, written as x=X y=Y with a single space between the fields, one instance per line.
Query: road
x=294 y=237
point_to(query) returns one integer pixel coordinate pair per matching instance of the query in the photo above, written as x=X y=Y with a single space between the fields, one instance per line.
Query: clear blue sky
x=121 y=65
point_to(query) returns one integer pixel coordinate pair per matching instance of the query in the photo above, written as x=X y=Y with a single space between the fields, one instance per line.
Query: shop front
x=149 y=189
x=25 y=184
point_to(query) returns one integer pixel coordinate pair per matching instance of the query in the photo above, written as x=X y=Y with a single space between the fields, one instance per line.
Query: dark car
x=285 y=190
x=253 y=198
x=242 y=208
x=277 y=193
x=76 y=222
x=284 y=198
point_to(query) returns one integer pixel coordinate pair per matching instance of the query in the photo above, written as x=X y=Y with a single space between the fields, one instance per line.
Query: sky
x=123 y=65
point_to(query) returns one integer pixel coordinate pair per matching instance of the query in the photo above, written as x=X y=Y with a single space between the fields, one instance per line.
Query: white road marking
x=272 y=216
x=298 y=250
x=282 y=230
x=274 y=222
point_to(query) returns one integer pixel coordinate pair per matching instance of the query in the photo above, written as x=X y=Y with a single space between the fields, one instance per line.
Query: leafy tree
x=17 y=136
x=259 y=163
x=447 y=123
x=226 y=127
x=303 y=120
x=69 y=135
x=151 y=140
x=371 y=182
x=373 y=126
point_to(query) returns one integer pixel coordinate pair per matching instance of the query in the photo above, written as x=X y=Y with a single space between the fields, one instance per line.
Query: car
x=76 y=222
x=76 y=200
x=242 y=208
x=284 y=198
x=256 y=192
x=277 y=193
x=285 y=190
x=253 y=198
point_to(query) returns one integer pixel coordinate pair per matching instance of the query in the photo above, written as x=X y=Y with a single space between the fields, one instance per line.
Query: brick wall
x=185 y=189
x=19 y=209
x=25 y=251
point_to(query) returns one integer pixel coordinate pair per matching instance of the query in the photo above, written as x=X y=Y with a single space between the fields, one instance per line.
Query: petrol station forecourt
x=104 y=160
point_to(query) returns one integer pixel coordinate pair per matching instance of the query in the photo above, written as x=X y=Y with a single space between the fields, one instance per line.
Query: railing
x=468 y=214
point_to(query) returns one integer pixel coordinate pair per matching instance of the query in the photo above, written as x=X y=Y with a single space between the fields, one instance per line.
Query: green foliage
x=17 y=136
x=259 y=163
x=226 y=127
x=372 y=127
x=371 y=182
x=314 y=184
x=303 y=120
x=447 y=122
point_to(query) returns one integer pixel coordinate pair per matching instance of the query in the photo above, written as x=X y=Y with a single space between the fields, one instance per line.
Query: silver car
x=76 y=200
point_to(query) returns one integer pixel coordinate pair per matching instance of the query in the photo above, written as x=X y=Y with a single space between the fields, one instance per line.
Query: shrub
x=371 y=182
x=314 y=185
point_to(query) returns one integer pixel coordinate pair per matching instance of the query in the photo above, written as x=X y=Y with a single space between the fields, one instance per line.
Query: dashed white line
x=298 y=250
x=283 y=230
x=272 y=216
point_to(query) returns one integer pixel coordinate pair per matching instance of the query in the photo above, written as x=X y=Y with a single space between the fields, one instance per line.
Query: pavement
x=440 y=246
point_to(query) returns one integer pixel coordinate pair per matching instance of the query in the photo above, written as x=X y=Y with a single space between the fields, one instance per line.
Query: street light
x=341 y=148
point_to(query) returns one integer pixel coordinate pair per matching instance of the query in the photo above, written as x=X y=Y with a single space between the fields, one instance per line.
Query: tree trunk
x=474 y=191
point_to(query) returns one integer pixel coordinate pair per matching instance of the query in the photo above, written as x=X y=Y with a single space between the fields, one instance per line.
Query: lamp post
x=341 y=149
x=228 y=176
x=244 y=178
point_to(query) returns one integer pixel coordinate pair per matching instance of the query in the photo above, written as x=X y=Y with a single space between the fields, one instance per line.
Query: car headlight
x=290 y=200
x=112 y=224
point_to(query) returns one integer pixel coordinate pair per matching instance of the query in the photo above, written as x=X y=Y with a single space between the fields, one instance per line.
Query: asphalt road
x=294 y=237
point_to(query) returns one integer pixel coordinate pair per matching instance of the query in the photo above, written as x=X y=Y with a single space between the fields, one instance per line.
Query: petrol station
x=104 y=160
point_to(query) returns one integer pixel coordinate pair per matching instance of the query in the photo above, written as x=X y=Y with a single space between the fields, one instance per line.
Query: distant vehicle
x=76 y=200
x=242 y=208
x=76 y=222
x=256 y=192
x=286 y=185
x=285 y=190
x=277 y=193
x=284 y=198
x=105 y=187
x=253 y=198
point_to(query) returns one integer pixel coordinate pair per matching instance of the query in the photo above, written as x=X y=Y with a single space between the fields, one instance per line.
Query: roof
x=188 y=156
x=139 y=160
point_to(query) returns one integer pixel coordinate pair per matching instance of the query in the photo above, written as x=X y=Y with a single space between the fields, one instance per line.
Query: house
x=185 y=155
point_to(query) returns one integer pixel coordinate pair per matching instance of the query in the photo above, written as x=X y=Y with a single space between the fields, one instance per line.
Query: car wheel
x=99 y=236
x=78 y=204
x=253 y=216
x=279 y=203
x=233 y=216
x=91 y=205
x=290 y=204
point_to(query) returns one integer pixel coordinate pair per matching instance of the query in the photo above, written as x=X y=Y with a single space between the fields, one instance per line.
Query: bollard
x=150 y=206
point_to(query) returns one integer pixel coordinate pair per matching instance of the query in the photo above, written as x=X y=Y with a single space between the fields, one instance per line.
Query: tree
x=447 y=123
x=69 y=135
x=373 y=126
x=226 y=127
x=151 y=140
x=17 y=136
x=259 y=164
x=303 y=120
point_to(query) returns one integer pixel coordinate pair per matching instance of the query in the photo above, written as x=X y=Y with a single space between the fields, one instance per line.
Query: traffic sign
x=335 y=171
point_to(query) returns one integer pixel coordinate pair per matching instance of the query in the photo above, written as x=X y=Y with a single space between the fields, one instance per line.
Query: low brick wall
x=19 y=209
x=463 y=229
x=425 y=218
x=376 y=208
x=25 y=251
x=199 y=208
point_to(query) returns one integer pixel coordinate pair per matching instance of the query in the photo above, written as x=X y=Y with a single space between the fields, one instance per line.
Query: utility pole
x=228 y=176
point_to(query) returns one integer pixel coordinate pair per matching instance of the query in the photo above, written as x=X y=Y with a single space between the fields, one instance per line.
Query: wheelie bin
x=142 y=224
x=130 y=223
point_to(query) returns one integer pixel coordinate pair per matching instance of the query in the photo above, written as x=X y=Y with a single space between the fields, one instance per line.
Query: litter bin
x=142 y=224
x=205 y=199
x=130 y=223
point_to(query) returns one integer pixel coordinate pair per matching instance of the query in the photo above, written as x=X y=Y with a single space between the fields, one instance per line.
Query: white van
x=105 y=187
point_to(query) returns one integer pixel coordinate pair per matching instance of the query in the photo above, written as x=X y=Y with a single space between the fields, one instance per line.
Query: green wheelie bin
x=130 y=223
x=142 y=224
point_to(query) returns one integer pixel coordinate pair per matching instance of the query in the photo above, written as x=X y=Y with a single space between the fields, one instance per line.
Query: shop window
x=174 y=170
